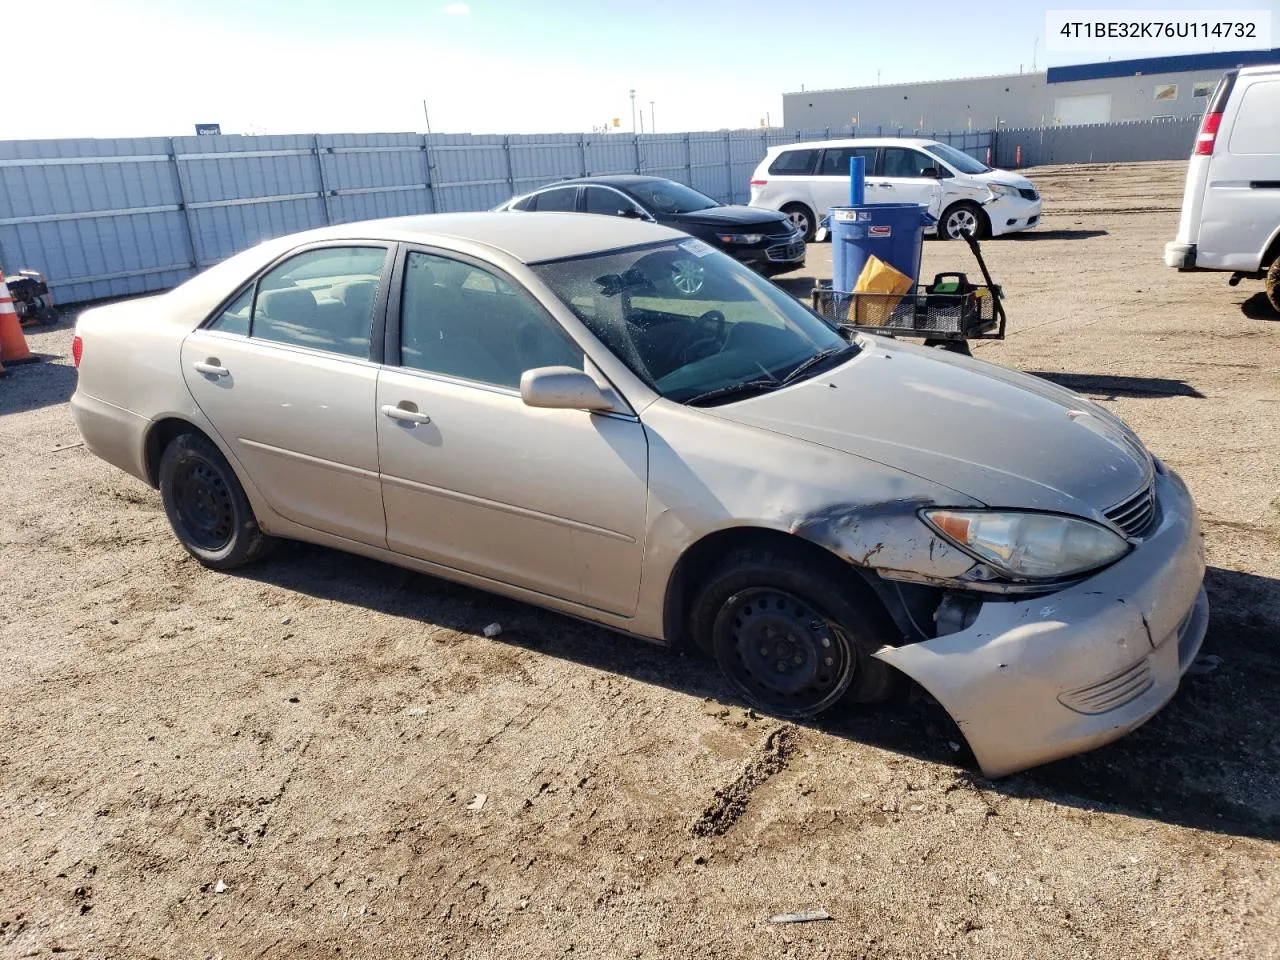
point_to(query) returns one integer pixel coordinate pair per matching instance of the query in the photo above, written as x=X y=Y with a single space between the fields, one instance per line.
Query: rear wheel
x=803 y=218
x=207 y=508
x=790 y=636
x=962 y=217
x=1273 y=284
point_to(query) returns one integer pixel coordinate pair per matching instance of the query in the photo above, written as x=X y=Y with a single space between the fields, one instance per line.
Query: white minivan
x=804 y=180
x=1231 y=204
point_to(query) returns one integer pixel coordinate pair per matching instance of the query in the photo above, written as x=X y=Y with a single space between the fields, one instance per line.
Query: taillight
x=77 y=348
x=758 y=183
x=1208 y=134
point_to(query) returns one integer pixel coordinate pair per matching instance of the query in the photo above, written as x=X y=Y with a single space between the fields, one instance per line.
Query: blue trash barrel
x=894 y=232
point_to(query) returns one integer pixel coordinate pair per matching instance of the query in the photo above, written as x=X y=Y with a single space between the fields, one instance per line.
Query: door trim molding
x=506 y=508
x=308 y=458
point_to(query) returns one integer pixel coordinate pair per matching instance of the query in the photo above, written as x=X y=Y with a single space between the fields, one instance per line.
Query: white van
x=804 y=180
x=1231 y=203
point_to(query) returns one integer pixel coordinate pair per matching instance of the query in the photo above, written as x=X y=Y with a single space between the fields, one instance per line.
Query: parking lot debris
x=416 y=711
x=477 y=804
x=492 y=630
x=220 y=887
x=66 y=446
x=805 y=917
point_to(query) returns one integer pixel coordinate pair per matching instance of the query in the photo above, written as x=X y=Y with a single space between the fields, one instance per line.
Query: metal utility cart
x=947 y=313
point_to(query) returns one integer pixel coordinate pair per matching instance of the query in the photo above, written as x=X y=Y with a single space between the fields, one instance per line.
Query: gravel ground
x=322 y=756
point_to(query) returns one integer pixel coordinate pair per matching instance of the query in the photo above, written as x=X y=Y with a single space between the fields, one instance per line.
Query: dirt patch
x=730 y=802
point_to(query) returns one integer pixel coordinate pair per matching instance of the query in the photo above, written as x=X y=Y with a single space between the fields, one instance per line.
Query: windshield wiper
x=813 y=361
x=747 y=386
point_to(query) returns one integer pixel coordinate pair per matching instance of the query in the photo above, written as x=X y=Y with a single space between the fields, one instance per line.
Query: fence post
x=324 y=183
x=187 y=215
x=582 y=148
x=728 y=163
x=511 y=173
x=635 y=140
x=688 y=159
x=428 y=176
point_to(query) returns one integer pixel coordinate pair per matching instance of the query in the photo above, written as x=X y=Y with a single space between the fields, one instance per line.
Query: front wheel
x=207 y=508
x=803 y=219
x=963 y=217
x=792 y=638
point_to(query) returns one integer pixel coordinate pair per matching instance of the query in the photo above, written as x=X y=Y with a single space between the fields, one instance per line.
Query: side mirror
x=562 y=388
x=931 y=173
x=633 y=213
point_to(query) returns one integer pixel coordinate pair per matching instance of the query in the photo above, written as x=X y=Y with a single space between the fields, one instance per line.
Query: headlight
x=1003 y=190
x=745 y=238
x=1038 y=546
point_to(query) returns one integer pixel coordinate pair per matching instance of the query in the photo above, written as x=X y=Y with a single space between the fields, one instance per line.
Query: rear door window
x=794 y=163
x=562 y=199
x=835 y=160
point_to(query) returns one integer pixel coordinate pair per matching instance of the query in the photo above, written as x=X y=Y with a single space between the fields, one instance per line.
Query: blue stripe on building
x=1183 y=63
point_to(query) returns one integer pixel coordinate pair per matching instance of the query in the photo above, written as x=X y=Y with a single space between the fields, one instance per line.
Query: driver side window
x=463 y=321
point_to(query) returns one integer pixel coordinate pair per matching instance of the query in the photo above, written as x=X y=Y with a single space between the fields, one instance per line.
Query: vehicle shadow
x=1209 y=760
x=29 y=386
x=1109 y=387
x=1027 y=235
x=1258 y=307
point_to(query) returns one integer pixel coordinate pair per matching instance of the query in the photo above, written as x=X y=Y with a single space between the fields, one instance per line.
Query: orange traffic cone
x=13 y=344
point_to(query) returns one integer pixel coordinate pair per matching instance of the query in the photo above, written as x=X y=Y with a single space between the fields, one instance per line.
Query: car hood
x=998 y=436
x=731 y=216
x=1006 y=177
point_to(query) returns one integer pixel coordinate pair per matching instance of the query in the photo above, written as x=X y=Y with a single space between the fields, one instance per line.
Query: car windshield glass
x=961 y=161
x=691 y=321
x=666 y=196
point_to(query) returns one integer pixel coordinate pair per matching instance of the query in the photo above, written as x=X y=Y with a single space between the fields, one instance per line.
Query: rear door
x=549 y=500
x=1241 y=210
x=788 y=179
x=831 y=185
x=286 y=376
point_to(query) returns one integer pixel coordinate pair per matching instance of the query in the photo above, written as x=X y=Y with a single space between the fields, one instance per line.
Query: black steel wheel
x=206 y=505
x=794 y=636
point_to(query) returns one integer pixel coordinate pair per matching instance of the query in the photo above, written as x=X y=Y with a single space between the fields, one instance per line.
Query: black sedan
x=762 y=239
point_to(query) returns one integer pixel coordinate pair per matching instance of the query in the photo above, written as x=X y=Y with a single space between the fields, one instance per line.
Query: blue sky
x=156 y=67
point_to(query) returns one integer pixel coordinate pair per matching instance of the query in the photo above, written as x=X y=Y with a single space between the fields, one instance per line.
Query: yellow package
x=886 y=285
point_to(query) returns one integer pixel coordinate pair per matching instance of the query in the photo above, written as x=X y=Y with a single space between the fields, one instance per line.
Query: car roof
x=529 y=237
x=609 y=180
x=855 y=142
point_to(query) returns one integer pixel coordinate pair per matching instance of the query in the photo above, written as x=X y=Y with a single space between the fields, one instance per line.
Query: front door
x=285 y=376
x=549 y=500
x=900 y=179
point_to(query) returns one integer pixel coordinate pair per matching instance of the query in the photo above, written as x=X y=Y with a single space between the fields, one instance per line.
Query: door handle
x=211 y=368
x=889 y=185
x=404 y=415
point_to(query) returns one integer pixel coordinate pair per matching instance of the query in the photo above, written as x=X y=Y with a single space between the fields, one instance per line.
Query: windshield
x=667 y=196
x=690 y=321
x=961 y=161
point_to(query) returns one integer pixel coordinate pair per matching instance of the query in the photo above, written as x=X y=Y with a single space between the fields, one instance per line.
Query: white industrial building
x=1114 y=91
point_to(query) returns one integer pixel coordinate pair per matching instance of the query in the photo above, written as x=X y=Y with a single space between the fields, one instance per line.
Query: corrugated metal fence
x=1098 y=142
x=104 y=218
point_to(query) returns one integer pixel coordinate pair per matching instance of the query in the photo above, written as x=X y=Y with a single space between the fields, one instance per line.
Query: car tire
x=1273 y=284
x=206 y=505
x=791 y=636
x=803 y=218
x=959 y=215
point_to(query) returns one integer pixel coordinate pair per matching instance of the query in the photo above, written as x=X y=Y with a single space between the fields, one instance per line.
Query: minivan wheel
x=206 y=506
x=962 y=216
x=803 y=218
x=1273 y=284
x=793 y=639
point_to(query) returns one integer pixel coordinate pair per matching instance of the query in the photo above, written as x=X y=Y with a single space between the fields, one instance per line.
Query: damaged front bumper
x=1038 y=679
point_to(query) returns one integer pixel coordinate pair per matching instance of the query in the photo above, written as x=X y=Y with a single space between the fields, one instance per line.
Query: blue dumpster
x=894 y=232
